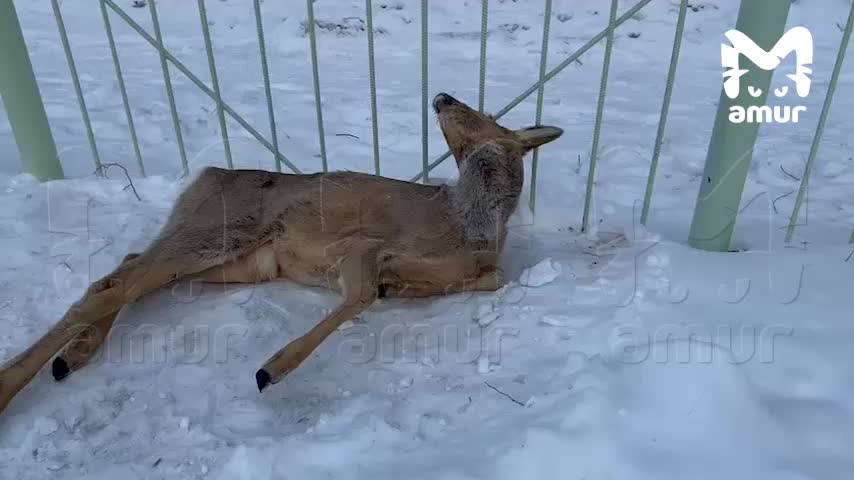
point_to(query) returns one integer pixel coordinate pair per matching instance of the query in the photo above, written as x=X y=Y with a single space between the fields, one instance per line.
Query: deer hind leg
x=257 y=266
x=77 y=353
x=167 y=259
x=104 y=297
x=359 y=275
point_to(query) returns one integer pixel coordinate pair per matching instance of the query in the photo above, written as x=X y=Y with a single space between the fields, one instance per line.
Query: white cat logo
x=798 y=40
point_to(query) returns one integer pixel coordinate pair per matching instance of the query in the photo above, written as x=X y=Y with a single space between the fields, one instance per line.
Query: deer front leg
x=358 y=278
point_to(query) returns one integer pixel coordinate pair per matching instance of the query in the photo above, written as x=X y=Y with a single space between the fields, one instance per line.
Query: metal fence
x=167 y=59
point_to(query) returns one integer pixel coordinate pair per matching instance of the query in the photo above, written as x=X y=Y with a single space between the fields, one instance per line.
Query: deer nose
x=443 y=100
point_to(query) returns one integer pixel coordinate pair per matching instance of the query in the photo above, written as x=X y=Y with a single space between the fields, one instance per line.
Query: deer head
x=466 y=129
x=489 y=159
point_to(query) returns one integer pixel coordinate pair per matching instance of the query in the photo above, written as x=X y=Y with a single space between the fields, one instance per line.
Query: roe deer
x=363 y=235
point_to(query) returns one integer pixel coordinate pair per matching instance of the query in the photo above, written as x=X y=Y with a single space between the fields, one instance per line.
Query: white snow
x=637 y=357
x=483 y=365
x=560 y=320
x=541 y=274
x=487 y=319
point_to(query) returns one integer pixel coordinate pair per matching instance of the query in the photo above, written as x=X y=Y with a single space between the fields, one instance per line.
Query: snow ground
x=634 y=356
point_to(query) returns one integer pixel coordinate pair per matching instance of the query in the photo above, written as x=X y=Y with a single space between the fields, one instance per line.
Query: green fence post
x=22 y=100
x=731 y=146
x=544 y=53
x=665 y=109
x=484 y=32
x=372 y=81
x=819 y=130
x=425 y=101
x=600 y=111
x=312 y=38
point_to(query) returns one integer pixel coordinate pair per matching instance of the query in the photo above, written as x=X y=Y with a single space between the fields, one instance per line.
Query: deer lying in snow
x=363 y=235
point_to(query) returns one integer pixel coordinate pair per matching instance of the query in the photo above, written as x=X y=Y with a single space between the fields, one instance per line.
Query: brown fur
x=355 y=233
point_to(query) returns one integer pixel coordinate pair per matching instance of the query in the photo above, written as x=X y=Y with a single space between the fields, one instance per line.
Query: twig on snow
x=347 y=135
x=102 y=170
x=789 y=174
x=517 y=402
x=774 y=203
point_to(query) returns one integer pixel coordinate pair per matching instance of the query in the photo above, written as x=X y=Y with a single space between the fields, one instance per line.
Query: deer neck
x=486 y=195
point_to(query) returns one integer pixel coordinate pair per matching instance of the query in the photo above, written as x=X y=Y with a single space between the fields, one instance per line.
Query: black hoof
x=60 y=369
x=262 y=379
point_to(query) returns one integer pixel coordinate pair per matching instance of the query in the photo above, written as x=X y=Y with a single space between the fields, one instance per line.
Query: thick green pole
x=22 y=100
x=731 y=146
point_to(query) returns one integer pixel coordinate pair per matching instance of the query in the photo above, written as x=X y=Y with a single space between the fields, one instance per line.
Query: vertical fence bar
x=600 y=107
x=369 y=12
x=544 y=53
x=122 y=88
x=816 y=141
x=312 y=38
x=176 y=122
x=484 y=17
x=22 y=100
x=206 y=32
x=75 y=79
x=665 y=109
x=425 y=161
x=731 y=146
x=265 y=72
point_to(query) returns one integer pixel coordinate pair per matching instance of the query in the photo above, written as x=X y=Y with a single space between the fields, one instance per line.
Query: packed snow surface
x=618 y=353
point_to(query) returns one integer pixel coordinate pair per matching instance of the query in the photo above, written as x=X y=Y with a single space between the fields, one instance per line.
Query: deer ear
x=533 y=137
